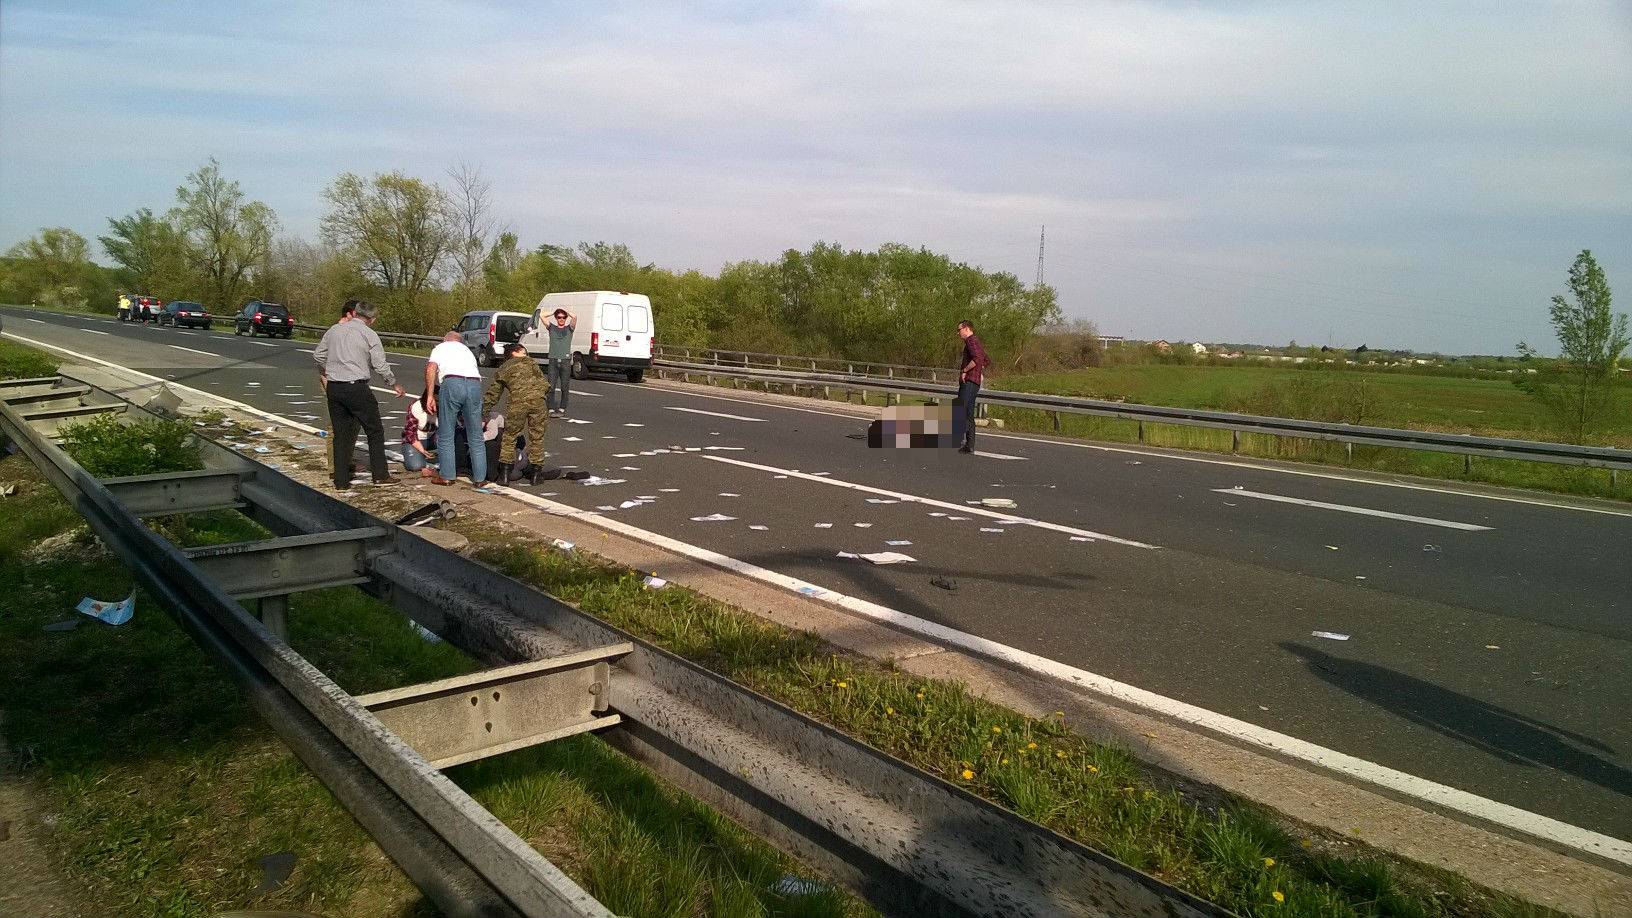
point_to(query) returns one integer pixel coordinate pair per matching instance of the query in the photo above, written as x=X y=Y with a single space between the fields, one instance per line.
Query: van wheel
x=636 y=375
x=580 y=368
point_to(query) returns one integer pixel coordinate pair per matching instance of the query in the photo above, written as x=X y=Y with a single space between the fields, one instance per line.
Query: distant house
x=1199 y=349
x=1162 y=347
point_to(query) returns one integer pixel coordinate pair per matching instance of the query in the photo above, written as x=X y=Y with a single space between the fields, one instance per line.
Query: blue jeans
x=412 y=459
x=967 y=392
x=460 y=399
x=560 y=375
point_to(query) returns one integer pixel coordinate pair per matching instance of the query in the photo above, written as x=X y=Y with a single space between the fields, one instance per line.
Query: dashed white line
x=93 y=331
x=1346 y=508
x=35 y=321
x=980 y=452
x=1400 y=782
x=192 y=350
x=714 y=414
x=961 y=508
x=263 y=344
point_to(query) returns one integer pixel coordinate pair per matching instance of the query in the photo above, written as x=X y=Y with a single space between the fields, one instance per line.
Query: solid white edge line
x=172 y=384
x=1348 y=508
x=1207 y=460
x=713 y=414
x=929 y=501
x=1450 y=798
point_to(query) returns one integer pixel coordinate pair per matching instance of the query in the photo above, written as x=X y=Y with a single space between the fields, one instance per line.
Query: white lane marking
x=1001 y=456
x=1502 y=814
x=714 y=414
x=913 y=498
x=251 y=409
x=182 y=332
x=192 y=351
x=93 y=331
x=35 y=321
x=263 y=343
x=1404 y=485
x=306 y=349
x=1346 y=508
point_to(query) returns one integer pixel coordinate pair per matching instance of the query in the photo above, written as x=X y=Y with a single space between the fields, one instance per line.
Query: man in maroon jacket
x=969 y=376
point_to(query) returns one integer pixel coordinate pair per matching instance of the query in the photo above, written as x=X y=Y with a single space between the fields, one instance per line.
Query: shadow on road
x=1505 y=734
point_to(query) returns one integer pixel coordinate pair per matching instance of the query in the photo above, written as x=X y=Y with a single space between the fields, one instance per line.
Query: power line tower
x=1042 y=236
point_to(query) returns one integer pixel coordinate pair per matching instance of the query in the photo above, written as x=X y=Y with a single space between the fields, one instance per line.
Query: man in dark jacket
x=970 y=370
x=527 y=411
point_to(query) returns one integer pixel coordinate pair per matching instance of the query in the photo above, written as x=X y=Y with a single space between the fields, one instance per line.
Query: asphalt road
x=1490 y=642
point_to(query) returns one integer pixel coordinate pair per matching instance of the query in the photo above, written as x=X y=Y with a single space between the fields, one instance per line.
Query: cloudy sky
x=1394 y=174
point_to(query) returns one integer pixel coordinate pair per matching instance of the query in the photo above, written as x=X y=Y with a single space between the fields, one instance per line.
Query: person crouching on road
x=346 y=357
x=454 y=393
x=527 y=411
x=418 y=433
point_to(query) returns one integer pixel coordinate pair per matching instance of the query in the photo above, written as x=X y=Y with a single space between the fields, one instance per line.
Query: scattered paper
x=824 y=525
x=655 y=582
x=623 y=455
x=252 y=384
x=1081 y=539
x=991 y=529
x=896 y=542
x=572 y=439
x=1000 y=502
x=729 y=494
x=112 y=613
x=779 y=476
x=634 y=425
x=1332 y=547
x=887 y=557
x=957 y=517
x=597 y=481
x=863 y=525
x=819 y=474
x=760 y=528
x=577 y=421
x=606 y=508
x=647 y=497
x=630 y=503
x=670 y=490
x=628 y=468
x=1134 y=462
x=563 y=544
x=694 y=449
x=938 y=513
x=7 y=490
x=1329 y=635
x=847 y=554
x=712 y=518
x=882 y=500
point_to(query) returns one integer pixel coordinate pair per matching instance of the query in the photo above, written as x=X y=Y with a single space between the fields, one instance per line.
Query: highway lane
x=1494 y=660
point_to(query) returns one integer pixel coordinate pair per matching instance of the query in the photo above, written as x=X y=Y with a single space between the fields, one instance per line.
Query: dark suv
x=140 y=308
x=260 y=318
x=185 y=314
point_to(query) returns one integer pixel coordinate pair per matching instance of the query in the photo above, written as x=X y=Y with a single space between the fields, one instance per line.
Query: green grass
x=19 y=362
x=1225 y=850
x=168 y=790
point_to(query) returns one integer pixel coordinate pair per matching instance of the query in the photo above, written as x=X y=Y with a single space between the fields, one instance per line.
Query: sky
x=1413 y=175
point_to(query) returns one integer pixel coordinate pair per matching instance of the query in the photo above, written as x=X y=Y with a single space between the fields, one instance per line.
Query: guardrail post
x=1467 y=465
x=1056 y=416
x=1348 y=453
x=1613 y=479
x=274 y=614
x=1141 y=431
x=1235 y=441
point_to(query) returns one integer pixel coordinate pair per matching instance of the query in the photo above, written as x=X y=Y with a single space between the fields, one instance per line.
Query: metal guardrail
x=907 y=841
x=751 y=360
x=1463 y=444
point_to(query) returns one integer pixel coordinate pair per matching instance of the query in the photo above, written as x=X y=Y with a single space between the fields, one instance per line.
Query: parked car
x=260 y=318
x=139 y=308
x=615 y=331
x=185 y=314
x=487 y=332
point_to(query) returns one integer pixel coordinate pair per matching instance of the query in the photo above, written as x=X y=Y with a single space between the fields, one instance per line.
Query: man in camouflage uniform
x=527 y=411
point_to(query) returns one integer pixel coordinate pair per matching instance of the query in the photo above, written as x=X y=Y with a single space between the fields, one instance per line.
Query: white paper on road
x=990 y=529
x=623 y=455
x=821 y=473
x=628 y=468
x=249 y=383
x=630 y=503
x=824 y=525
x=634 y=425
x=646 y=497
x=729 y=494
x=760 y=528
x=578 y=421
x=882 y=500
x=780 y=476
x=1000 y=503
x=847 y=554
x=1329 y=635
x=938 y=513
x=957 y=517
x=1081 y=539
x=887 y=557
x=608 y=437
x=694 y=449
x=713 y=518
x=896 y=542
x=606 y=508
x=724 y=447
x=596 y=480
x=864 y=525
x=572 y=439
x=670 y=490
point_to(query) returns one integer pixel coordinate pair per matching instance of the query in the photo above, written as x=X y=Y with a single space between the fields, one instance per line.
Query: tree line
x=429 y=251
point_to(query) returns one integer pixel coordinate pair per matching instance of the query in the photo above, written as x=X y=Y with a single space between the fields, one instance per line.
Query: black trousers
x=352 y=407
x=968 y=391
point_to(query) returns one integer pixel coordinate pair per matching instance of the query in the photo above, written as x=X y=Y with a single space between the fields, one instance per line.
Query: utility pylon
x=1042 y=236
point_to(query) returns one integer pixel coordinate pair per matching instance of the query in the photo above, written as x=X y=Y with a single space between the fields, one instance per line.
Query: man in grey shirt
x=348 y=355
x=561 y=327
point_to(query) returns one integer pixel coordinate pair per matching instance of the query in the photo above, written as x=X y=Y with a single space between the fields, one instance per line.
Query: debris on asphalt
x=759 y=527
x=112 y=613
x=436 y=509
x=729 y=494
x=631 y=424
x=1430 y=548
x=713 y=518
x=887 y=557
x=1493 y=647
x=630 y=503
x=1134 y=462
x=670 y=490
x=606 y=508
x=847 y=554
x=1002 y=503
x=938 y=513
x=1332 y=547
x=957 y=517
x=628 y=468
x=623 y=455
x=1329 y=635
x=824 y=526
x=882 y=500
x=896 y=542
x=944 y=583
x=577 y=421
x=263 y=449
x=991 y=529
x=572 y=439
x=1081 y=539
x=595 y=481
x=864 y=525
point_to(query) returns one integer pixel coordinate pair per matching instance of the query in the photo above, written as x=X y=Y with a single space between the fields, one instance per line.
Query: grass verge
x=1225 y=850
x=169 y=794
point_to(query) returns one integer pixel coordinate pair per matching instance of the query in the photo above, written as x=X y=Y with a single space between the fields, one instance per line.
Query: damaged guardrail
x=907 y=841
x=1463 y=444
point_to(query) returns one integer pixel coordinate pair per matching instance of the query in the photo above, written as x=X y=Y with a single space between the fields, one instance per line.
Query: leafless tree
x=471 y=212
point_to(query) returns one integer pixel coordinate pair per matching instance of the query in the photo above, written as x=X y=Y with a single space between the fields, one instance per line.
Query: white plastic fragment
x=729 y=494
x=654 y=582
x=863 y=525
x=882 y=500
x=564 y=545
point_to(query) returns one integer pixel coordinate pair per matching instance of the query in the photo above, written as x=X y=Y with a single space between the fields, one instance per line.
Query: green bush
x=108 y=449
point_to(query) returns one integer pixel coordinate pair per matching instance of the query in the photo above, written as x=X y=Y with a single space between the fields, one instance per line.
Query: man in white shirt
x=455 y=384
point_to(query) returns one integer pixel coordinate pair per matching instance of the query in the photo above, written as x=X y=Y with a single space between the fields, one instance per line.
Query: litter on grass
x=655 y=582
x=564 y=545
x=713 y=518
x=8 y=490
x=1329 y=635
x=111 y=613
x=791 y=885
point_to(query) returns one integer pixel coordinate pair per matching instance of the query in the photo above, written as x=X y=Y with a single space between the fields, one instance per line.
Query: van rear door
x=609 y=323
x=637 y=339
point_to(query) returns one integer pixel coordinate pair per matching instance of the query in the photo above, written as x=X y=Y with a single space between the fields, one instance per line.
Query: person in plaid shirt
x=418 y=431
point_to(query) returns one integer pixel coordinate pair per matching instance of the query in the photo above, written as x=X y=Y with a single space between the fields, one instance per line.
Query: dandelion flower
x=968 y=775
x=920 y=696
x=1031 y=745
x=1002 y=761
x=1278 y=896
x=889 y=710
x=997 y=729
x=844 y=685
x=1269 y=862
x=1059 y=753
x=1094 y=769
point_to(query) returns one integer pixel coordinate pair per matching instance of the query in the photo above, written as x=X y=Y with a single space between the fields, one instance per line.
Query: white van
x=615 y=331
